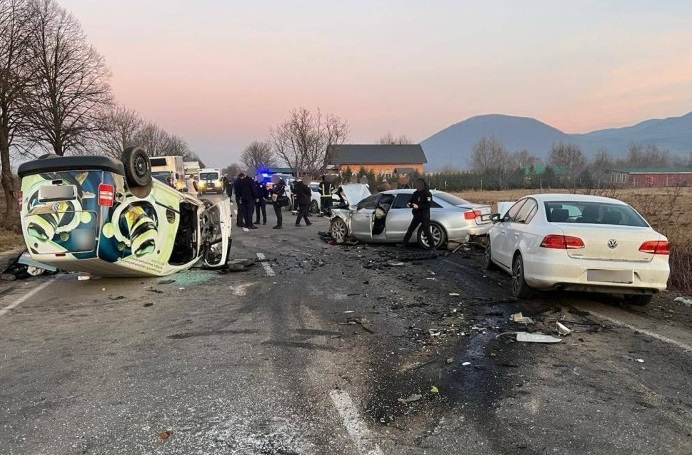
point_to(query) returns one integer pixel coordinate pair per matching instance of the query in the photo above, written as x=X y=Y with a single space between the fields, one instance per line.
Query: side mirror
x=496 y=218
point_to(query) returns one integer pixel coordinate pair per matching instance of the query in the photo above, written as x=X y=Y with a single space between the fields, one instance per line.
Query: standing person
x=278 y=194
x=261 y=206
x=421 y=200
x=304 y=195
x=227 y=186
x=238 y=201
x=384 y=186
x=325 y=197
x=248 y=197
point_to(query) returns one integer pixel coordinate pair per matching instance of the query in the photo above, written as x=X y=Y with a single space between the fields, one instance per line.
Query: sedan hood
x=353 y=193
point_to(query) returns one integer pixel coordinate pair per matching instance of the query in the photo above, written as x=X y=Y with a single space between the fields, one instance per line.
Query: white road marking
x=26 y=296
x=267 y=268
x=356 y=428
x=685 y=347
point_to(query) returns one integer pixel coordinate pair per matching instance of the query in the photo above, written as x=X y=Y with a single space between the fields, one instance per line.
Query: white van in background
x=163 y=167
x=210 y=181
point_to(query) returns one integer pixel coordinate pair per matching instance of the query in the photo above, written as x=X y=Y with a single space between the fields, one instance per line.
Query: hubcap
x=437 y=235
x=140 y=166
x=339 y=230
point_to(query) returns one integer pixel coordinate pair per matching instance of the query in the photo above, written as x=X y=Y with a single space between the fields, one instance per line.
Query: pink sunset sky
x=220 y=73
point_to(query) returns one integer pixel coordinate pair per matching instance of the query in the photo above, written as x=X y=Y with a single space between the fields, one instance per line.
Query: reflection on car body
x=384 y=217
x=581 y=243
x=92 y=214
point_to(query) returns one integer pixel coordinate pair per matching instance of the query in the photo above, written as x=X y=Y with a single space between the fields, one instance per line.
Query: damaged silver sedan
x=385 y=217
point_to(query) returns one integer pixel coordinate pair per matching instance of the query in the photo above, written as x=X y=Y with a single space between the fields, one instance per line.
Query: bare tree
x=13 y=79
x=569 y=157
x=153 y=139
x=524 y=158
x=118 y=128
x=648 y=155
x=256 y=156
x=601 y=163
x=390 y=139
x=490 y=158
x=69 y=81
x=232 y=170
x=305 y=139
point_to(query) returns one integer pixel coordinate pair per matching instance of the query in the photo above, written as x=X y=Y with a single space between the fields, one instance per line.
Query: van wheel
x=137 y=167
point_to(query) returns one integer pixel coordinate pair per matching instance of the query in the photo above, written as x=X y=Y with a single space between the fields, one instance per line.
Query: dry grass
x=667 y=209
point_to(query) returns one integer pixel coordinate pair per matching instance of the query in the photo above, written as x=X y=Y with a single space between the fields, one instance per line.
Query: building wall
x=385 y=169
x=651 y=180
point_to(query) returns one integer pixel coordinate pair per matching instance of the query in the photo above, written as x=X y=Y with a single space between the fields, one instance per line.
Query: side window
x=434 y=204
x=514 y=210
x=527 y=210
x=401 y=201
x=369 y=203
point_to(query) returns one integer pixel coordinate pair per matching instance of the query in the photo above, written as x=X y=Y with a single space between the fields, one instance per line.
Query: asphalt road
x=314 y=350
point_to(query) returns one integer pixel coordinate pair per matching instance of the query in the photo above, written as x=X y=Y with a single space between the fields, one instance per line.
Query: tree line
x=56 y=97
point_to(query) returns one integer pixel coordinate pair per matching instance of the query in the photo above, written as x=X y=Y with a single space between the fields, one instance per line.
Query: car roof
x=562 y=197
x=55 y=163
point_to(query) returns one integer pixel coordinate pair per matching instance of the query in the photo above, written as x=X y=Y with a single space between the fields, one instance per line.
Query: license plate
x=610 y=276
x=51 y=193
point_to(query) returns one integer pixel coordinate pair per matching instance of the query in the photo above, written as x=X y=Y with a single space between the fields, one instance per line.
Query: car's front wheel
x=439 y=237
x=339 y=229
x=314 y=207
x=488 y=263
x=520 y=289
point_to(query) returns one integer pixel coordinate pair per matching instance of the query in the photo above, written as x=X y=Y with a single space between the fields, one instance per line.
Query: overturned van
x=110 y=218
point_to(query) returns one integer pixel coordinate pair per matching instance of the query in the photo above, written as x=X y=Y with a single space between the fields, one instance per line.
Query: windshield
x=161 y=175
x=450 y=199
x=593 y=213
x=209 y=176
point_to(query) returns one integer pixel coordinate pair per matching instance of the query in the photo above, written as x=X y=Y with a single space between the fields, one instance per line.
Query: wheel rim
x=140 y=166
x=437 y=236
x=339 y=229
x=517 y=276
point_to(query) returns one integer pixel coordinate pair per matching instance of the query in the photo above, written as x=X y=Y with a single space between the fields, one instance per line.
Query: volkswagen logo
x=612 y=243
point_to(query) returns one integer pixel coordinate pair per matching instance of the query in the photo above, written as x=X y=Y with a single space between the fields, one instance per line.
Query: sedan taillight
x=562 y=242
x=472 y=214
x=655 y=247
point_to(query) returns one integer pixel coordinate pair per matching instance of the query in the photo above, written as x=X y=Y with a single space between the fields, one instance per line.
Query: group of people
x=253 y=196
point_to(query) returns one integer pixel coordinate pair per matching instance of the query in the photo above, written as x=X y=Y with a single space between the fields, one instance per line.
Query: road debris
x=685 y=301
x=166 y=282
x=359 y=321
x=521 y=319
x=639 y=360
x=526 y=337
x=454 y=294
x=411 y=399
x=165 y=434
x=434 y=389
x=465 y=364
x=83 y=277
x=562 y=330
x=449 y=360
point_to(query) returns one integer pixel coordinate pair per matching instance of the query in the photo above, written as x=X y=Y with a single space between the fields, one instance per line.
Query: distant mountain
x=452 y=146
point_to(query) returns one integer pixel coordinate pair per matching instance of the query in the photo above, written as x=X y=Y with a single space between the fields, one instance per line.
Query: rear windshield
x=450 y=199
x=208 y=176
x=593 y=213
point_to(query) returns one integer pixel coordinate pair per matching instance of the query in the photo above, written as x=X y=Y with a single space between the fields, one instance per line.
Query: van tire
x=137 y=167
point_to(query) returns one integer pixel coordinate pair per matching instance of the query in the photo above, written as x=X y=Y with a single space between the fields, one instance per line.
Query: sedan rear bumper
x=558 y=271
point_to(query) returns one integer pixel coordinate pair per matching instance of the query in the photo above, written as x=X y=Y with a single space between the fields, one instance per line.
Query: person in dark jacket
x=304 y=195
x=278 y=195
x=228 y=186
x=261 y=206
x=248 y=196
x=325 y=197
x=420 y=203
x=238 y=201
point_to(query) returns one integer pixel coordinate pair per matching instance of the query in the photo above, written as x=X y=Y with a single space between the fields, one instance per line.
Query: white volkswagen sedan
x=578 y=243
